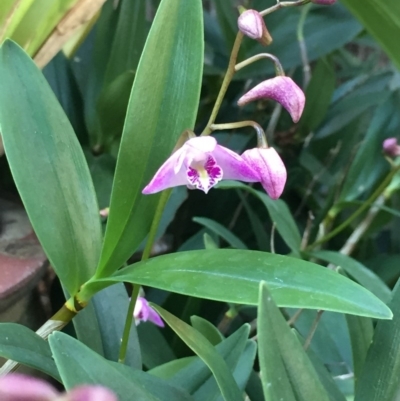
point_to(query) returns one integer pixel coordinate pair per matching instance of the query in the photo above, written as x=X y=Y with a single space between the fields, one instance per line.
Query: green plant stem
x=225 y=83
x=261 y=56
x=261 y=138
x=283 y=4
x=360 y=210
x=136 y=288
x=302 y=45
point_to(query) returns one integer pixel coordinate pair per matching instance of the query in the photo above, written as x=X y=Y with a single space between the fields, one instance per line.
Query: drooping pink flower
x=283 y=90
x=324 y=2
x=391 y=147
x=269 y=165
x=251 y=23
x=17 y=387
x=200 y=163
x=143 y=312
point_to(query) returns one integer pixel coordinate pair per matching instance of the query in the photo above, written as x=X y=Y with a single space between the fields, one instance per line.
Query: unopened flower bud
x=390 y=147
x=283 y=90
x=251 y=24
x=324 y=2
x=269 y=165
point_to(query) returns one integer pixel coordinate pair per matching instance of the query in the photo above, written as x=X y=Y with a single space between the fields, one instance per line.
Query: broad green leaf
x=49 y=169
x=254 y=387
x=233 y=276
x=220 y=230
x=202 y=347
x=206 y=328
x=362 y=274
x=24 y=346
x=382 y=21
x=302 y=375
x=274 y=377
x=80 y=365
x=227 y=18
x=379 y=378
x=163 y=103
x=129 y=39
x=278 y=211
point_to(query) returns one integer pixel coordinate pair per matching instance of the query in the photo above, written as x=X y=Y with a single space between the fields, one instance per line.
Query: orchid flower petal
x=204 y=175
x=233 y=166
x=270 y=167
x=155 y=318
x=391 y=147
x=169 y=175
x=251 y=23
x=17 y=387
x=90 y=393
x=144 y=312
x=281 y=89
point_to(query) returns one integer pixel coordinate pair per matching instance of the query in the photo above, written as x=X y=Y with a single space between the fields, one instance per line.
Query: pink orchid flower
x=17 y=387
x=269 y=165
x=391 y=147
x=251 y=23
x=201 y=163
x=143 y=312
x=283 y=90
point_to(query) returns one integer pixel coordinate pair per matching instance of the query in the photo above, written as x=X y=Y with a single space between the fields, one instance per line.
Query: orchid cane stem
x=136 y=288
x=225 y=83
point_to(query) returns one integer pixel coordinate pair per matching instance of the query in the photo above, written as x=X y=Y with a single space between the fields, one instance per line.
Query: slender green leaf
x=163 y=103
x=80 y=365
x=318 y=94
x=49 y=169
x=379 y=378
x=362 y=274
x=233 y=276
x=202 y=347
x=192 y=377
x=301 y=373
x=206 y=328
x=361 y=331
x=220 y=230
x=170 y=369
x=382 y=20
x=24 y=346
x=274 y=378
x=362 y=176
